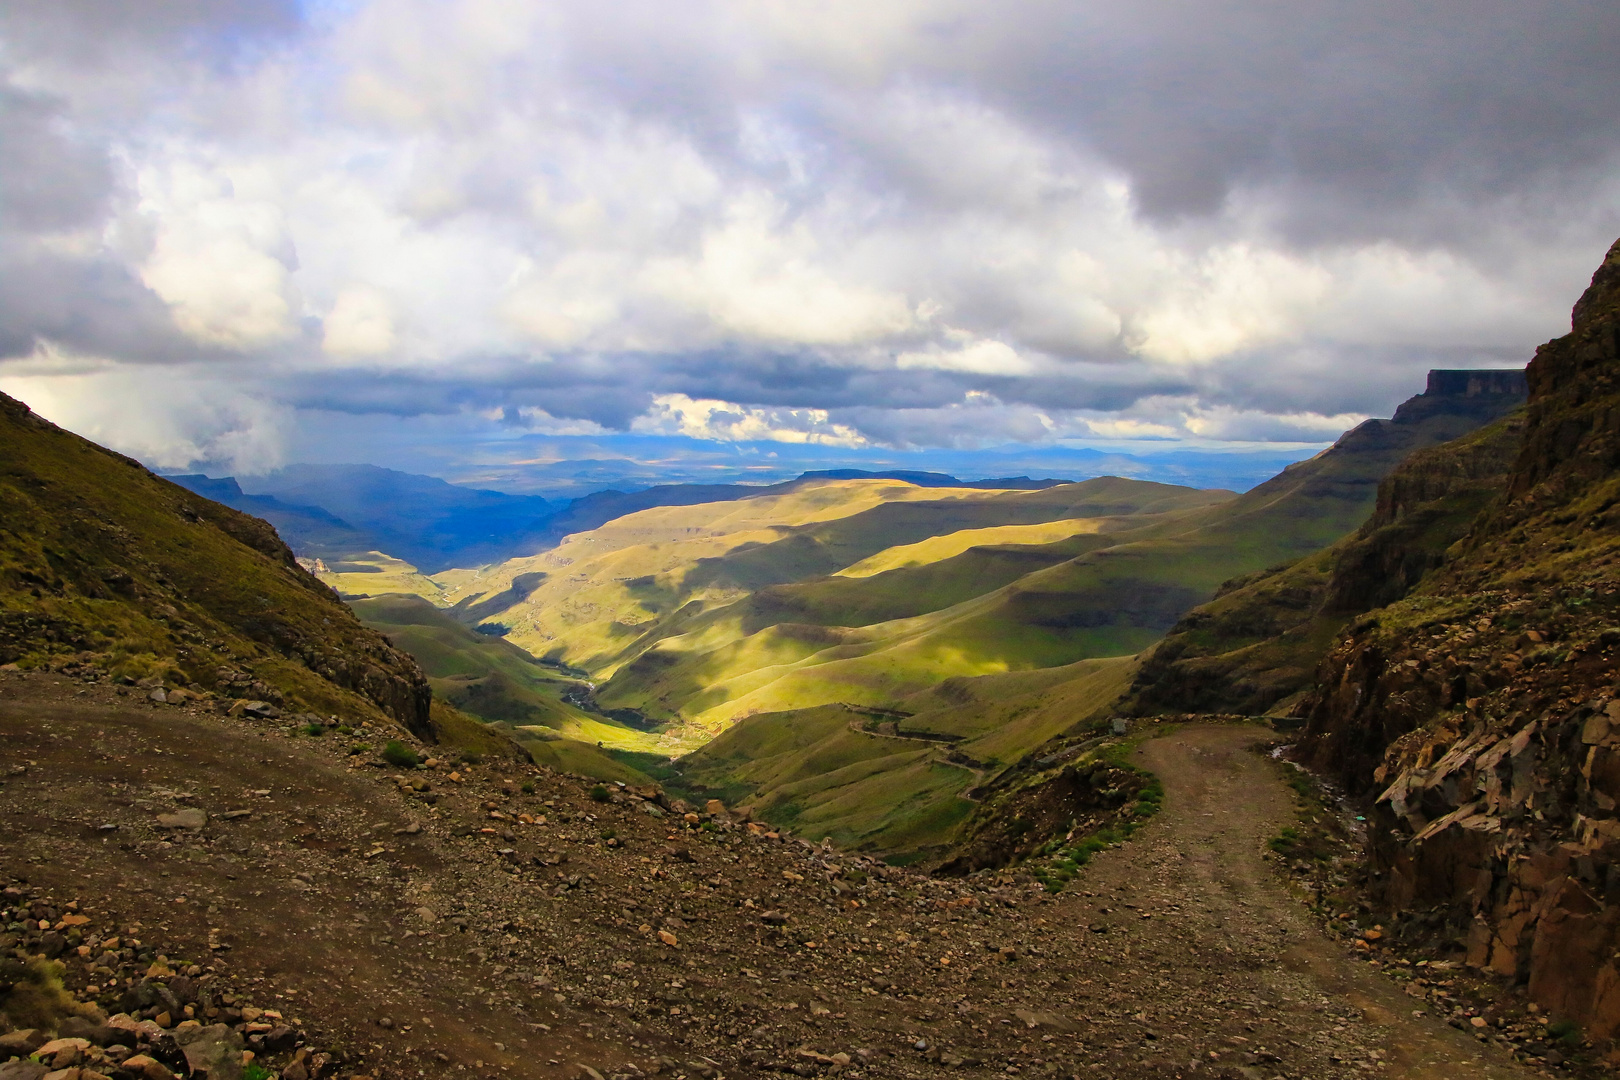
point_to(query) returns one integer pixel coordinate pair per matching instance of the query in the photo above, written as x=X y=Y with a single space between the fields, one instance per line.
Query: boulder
x=190 y=818
x=214 y=1051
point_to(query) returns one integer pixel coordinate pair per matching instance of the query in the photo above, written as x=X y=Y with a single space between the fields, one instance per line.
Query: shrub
x=399 y=755
x=528 y=787
x=1564 y=1031
x=600 y=793
x=313 y=729
x=36 y=998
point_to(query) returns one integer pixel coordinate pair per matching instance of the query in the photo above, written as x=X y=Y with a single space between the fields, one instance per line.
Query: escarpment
x=1481 y=711
x=1254 y=648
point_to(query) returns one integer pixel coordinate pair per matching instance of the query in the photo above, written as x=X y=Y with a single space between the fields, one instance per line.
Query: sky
x=240 y=233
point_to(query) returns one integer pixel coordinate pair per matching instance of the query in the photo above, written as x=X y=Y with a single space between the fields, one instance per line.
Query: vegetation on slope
x=1256 y=646
x=107 y=568
x=592 y=599
x=520 y=698
x=1110 y=592
x=100 y=557
x=898 y=781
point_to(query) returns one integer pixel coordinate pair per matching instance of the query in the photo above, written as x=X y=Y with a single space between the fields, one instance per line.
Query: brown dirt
x=1179 y=954
x=1204 y=851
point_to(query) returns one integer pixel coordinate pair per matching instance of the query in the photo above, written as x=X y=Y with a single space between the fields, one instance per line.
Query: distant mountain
x=807 y=631
x=561 y=467
x=329 y=511
x=308 y=530
x=332 y=511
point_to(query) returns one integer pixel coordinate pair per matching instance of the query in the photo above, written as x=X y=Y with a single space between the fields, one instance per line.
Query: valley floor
x=614 y=941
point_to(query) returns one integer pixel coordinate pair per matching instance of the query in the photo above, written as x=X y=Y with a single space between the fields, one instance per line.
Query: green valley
x=856 y=656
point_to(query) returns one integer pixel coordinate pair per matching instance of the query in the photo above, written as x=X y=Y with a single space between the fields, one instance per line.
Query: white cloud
x=1253 y=425
x=757 y=279
x=724 y=421
x=222 y=263
x=1233 y=298
x=360 y=324
x=1126 y=428
x=986 y=357
x=874 y=211
x=168 y=418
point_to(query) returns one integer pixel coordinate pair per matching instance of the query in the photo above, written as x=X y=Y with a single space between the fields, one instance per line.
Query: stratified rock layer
x=1481 y=711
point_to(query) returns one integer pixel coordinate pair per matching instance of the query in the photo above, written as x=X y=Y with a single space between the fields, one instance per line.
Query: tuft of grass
x=36 y=998
x=313 y=729
x=400 y=756
x=599 y=793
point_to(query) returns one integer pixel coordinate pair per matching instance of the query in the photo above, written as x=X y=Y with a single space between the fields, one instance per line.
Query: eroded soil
x=612 y=939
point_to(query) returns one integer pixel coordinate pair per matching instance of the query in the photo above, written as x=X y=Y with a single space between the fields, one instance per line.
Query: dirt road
x=603 y=935
x=1228 y=955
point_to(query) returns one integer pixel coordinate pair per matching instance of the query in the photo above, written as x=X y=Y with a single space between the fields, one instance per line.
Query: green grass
x=399 y=755
x=583 y=759
x=97 y=555
x=1109 y=593
x=822 y=773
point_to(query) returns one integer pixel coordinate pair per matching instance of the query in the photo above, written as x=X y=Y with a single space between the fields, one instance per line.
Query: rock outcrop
x=1481 y=711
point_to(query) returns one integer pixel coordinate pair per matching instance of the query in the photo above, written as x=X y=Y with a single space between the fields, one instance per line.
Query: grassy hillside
x=898 y=781
x=1256 y=646
x=590 y=599
x=1108 y=591
x=111 y=570
x=498 y=683
x=372 y=573
x=939 y=548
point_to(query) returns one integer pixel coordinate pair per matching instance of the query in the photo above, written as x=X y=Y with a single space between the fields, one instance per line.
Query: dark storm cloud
x=1374 y=103
x=47 y=179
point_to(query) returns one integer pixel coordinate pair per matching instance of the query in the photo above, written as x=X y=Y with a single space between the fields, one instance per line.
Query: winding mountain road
x=1219 y=953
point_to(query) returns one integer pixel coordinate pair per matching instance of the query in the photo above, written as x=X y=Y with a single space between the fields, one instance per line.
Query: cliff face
x=1481 y=711
x=1255 y=647
x=105 y=566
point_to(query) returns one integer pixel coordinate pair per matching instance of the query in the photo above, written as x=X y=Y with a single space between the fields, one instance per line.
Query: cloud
x=361 y=323
x=911 y=223
x=723 y=421
x=170 y=420
x=221 y=260
x=986 y=357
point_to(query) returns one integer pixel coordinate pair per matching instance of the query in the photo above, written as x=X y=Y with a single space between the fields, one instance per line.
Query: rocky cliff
x=1255 y=647
x=106 y=568
x=1481 y=711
